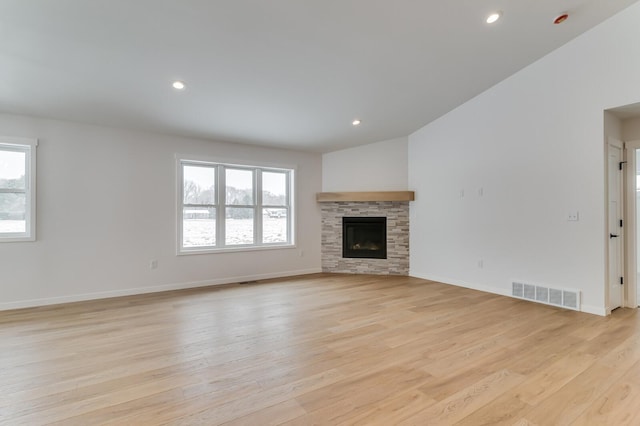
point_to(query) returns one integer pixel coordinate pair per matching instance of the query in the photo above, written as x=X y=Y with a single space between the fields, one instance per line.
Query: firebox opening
x=364 y=237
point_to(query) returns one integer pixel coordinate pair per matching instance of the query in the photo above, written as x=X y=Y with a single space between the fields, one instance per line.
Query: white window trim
x=220 y=204
x=28 y=146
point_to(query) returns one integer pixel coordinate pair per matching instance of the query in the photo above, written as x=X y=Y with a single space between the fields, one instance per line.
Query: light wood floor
x=319 y=349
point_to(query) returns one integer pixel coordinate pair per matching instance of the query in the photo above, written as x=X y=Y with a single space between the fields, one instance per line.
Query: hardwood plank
x=393 y=411
x=617 y=406
x=569 y=402
x=468 y=400
x=342 y=400
x=549 y=379
x=271 y=416
x=318 y=349
x=524 y=422
x=501 y=411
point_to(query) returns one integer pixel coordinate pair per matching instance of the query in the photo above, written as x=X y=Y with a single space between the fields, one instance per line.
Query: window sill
x=17 y=239
x=187 y=252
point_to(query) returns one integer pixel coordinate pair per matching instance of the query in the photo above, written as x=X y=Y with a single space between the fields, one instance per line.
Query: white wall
x=612 y=126
x=534 y=144
x=380 y=166
x=631 y=129
x=107 y=206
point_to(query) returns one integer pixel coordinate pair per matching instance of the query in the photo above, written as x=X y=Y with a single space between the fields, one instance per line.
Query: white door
x=616 y=247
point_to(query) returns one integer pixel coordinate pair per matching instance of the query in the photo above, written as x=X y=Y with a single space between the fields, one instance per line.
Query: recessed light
x=178 y=85
x=493 y=17
x=356 y=122
x=560 y=19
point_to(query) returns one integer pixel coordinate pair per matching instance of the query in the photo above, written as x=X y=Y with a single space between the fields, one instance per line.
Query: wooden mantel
x=327 y=197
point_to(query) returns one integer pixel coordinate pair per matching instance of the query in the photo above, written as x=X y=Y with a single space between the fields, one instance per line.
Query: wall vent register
x=564 y=298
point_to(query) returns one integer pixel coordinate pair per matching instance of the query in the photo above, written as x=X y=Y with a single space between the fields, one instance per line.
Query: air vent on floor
x=562 y=297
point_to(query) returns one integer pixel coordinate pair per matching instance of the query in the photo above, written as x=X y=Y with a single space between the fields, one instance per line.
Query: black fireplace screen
x=364 y=237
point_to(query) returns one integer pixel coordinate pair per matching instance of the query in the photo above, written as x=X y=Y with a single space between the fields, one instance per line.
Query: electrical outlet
x=573 y=216
x=480 y=264
x=153 y=264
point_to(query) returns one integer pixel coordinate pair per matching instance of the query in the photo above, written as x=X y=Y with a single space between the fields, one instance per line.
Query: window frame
x=28 y=146
x=222 y=169
x=220 y=204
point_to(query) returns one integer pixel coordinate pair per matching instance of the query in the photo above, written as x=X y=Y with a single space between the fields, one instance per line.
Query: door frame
x=619 y=144
x=631 y=225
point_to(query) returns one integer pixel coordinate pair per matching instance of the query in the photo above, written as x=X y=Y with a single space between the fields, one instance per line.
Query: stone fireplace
x=395 y=215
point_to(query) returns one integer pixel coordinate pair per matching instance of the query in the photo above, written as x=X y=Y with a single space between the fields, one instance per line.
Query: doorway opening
x=622 y=134
x=632 y=214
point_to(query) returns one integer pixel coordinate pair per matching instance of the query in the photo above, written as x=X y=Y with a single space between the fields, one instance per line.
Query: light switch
x=573 y=216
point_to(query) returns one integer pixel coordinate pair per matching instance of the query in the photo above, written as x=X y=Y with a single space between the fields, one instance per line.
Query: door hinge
x=620 y=165
x=620 y=223
x=621 y=280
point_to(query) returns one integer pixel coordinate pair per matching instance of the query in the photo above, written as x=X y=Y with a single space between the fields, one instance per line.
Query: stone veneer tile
x=397 y=214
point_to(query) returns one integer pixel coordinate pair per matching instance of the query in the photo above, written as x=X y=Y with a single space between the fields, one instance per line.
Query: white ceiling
x=626 y=112
x=285 y=73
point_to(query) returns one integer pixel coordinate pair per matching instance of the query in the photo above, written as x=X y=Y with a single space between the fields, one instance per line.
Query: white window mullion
x=31 y=187
x=180 y=210
x=257 y=235
x=221 y=192
x=289 y=210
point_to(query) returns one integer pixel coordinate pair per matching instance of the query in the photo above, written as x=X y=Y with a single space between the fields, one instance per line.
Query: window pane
x=199 y=185
x=239 y=226
x=239 y=187
x=198 y=227
x=12 y=169
x=274 y=226
x=13 y=212
x=274 y=189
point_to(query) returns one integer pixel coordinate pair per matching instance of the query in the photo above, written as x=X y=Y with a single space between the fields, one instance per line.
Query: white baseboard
x=494 y=290
x=593 y=310
x=32 y=303
x=459 y=283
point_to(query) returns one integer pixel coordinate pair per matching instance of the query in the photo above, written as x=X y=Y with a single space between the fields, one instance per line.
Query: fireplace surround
x=397 y=238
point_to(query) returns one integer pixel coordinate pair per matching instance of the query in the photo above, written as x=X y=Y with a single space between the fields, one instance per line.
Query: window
x=233 y=207
x=17 y=189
